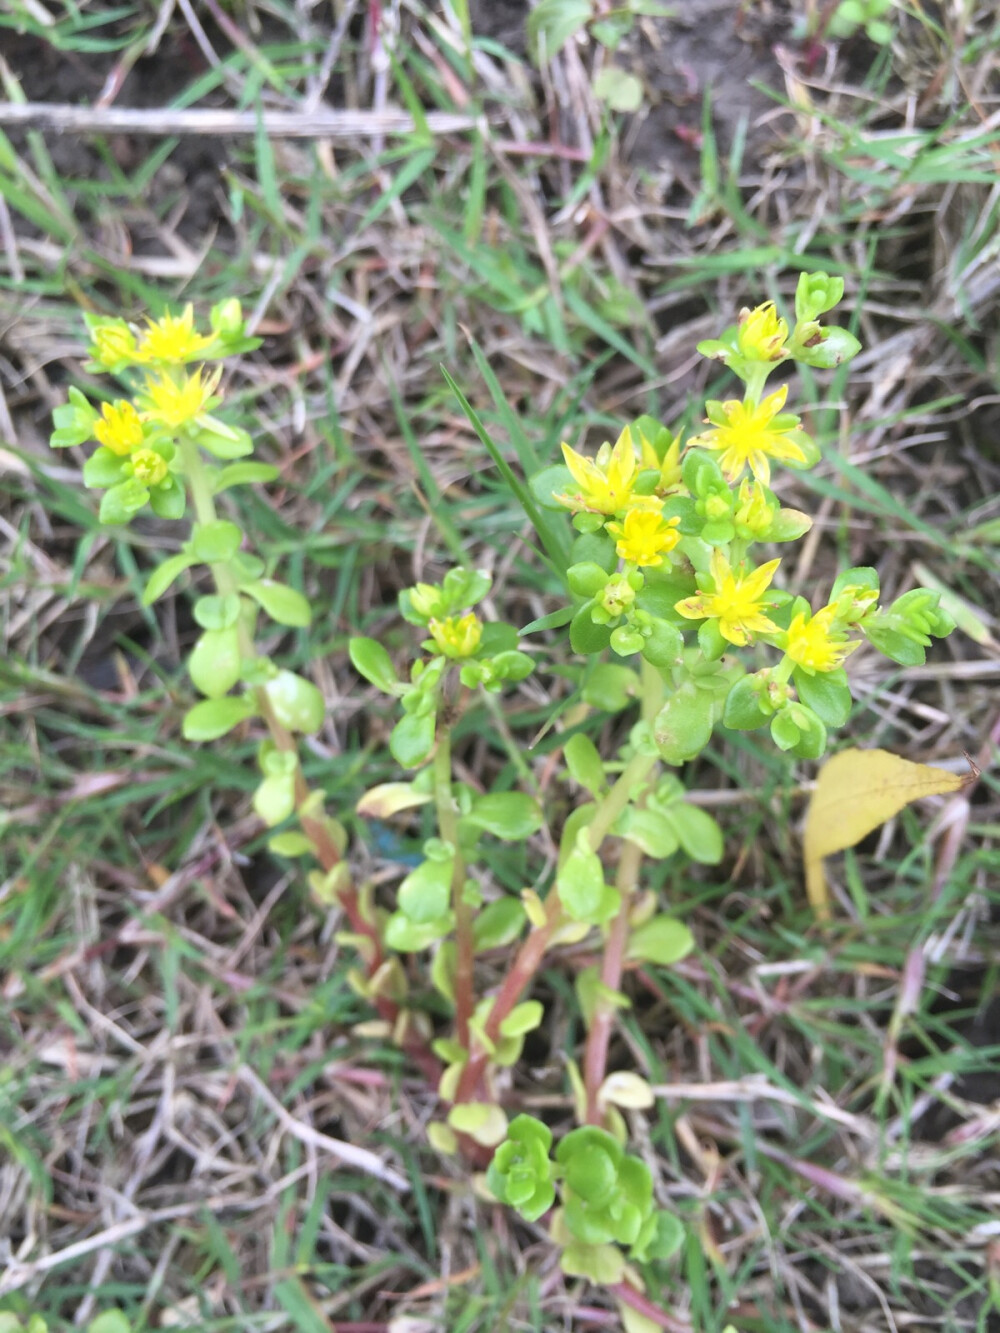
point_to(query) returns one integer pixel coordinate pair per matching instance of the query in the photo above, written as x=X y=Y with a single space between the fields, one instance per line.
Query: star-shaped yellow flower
x=457 y=636
x=818 y=643
x=751 y=434
x=604 y=484
x=118 y=428
x=645 y=536
x=173 y=338
x=177 y=402
x=762 y=335
x=737 y=602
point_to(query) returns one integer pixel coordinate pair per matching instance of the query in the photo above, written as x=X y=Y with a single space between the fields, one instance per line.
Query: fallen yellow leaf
x=856 y=791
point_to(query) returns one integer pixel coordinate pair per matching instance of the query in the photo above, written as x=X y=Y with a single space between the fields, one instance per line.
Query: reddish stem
x=629 y=1295
x=599 y=1037
x=525 y=965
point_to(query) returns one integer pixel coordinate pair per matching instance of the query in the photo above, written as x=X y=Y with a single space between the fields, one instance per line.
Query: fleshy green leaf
x=498 y=923
x=372 y=661
x=508 y=815
x=284 y=605
x=123 y=501
x=610 y=686
x=163 y=575
x=216 y=611
x=215 y=542
x=222 y=440
x=212 y=718
x=827 y=693
x=297 y=703
x=697 y=832
x=412 y=739
x=585 y=637
x=103 y=468
x=584 y=763
x=425 y=893
x=214 y=664
x=236 y=474
x=662 y=940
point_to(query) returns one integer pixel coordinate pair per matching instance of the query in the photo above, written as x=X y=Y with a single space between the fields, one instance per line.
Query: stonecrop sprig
x=664 y=576
x=666 y=546
x=676 y=608
x=162 y=449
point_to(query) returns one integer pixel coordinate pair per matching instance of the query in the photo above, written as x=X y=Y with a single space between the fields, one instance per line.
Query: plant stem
x=599 y=1034
x=200 y=486
x=447 y=820
x=629 y=864
x=532 y=951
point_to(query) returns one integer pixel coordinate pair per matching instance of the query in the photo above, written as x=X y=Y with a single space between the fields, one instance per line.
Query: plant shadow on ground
x=176 y=1024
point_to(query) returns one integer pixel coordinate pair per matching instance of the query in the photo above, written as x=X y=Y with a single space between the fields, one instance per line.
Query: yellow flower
x=762 y=335
x=746 y=434
x=118 y=428
x=736 y=602
x=605 y=483
x=644 y=536
x=113 y=345
x=172 y=338
x=457 y=636
x=669 y=469
x=148 y=467
x=818 y=643
x=176 y=403
x=753 y=511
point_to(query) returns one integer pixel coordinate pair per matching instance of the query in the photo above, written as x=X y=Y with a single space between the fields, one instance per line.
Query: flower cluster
x=139 y=459
x=666 y=530
x=151 y=446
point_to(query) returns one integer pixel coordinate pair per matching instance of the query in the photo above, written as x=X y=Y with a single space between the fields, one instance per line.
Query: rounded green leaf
x=216 y=611
x=372 y=661
x=827 y=693
x=212 y=718
x=216 y=541
x=511 y=815
x=610 y=686
x=274 y=799
x=584 y=763
x=523 y=1018
x=406 y=936
x=426 y=891
x=498 y=923
x=238 y=473
x=297 y=703
x=222 y=440
x=123 y=501
x=111 y=1321
x=580 y=883
x=412 y=739
x=103 y=468
x=214 y=664
x=284 y=605
x=163 y=575
x=697 y=832
x=168 y=499
x=683 y=726
x=663 y=940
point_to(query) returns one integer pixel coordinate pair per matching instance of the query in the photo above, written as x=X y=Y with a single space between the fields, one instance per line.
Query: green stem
x=531 y=953
x=202 y=498
x=755 y=382
x=613 y=961
x=447 y=820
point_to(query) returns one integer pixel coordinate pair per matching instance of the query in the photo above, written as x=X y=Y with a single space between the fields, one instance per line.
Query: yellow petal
x=692 y=608
x=581 y=468
x=755 y=584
